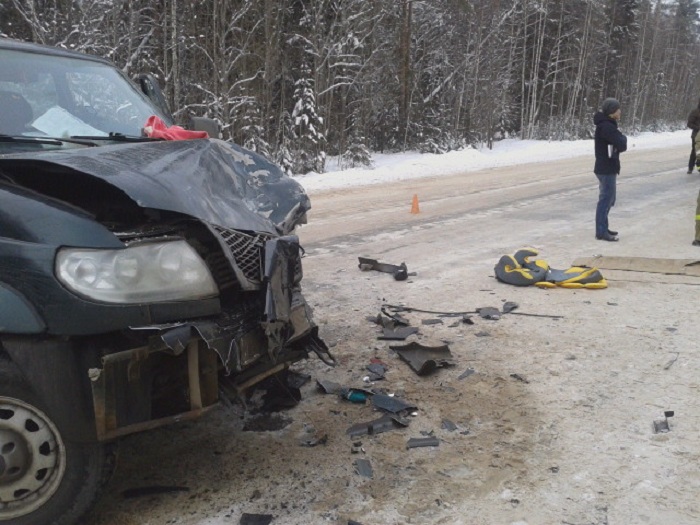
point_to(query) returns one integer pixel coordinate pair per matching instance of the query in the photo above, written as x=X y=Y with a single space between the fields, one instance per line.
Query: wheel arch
x=51 y=369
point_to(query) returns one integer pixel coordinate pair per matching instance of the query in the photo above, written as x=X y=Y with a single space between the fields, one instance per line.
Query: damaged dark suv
x=141 y=280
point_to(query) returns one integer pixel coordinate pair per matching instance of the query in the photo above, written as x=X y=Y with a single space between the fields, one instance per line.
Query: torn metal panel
x=377 y=426
x=424 y=359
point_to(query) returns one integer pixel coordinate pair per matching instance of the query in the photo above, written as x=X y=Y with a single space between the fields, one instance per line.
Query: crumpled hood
x=212 y=180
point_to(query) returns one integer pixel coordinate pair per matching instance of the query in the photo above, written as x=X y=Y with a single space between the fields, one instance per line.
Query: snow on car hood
x=212 y=180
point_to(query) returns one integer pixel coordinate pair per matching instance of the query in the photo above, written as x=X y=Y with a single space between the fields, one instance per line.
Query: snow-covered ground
x=411 y=165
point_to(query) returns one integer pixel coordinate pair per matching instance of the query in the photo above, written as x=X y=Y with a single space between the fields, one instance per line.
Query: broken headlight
x=153 y=272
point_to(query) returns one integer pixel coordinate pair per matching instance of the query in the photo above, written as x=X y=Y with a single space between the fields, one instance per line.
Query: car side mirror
x=209 y=125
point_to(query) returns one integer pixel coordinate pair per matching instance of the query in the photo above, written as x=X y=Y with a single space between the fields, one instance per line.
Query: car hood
x=215 y=181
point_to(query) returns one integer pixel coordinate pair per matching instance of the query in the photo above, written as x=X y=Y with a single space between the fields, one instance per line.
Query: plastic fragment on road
x=423 y=442
x=385 y=423
x=391 y=403
x=424 y=359
x=400 y=271
x=256 y=519
x=363 y=467
x=661 y=426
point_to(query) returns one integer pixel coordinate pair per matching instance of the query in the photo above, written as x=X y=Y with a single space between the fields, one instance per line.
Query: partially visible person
x=694 y=124
x=609 y=143
x=696 y=242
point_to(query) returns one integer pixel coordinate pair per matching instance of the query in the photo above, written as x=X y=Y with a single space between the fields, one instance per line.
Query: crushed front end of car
x=172 y=265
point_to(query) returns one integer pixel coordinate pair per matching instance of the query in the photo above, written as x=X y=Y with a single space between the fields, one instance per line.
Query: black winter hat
x=609 y=106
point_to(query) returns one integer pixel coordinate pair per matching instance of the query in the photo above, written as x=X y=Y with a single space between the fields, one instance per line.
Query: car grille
x=247 y=250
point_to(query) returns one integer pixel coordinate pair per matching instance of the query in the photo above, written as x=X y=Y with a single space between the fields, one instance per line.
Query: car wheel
x=43 y=477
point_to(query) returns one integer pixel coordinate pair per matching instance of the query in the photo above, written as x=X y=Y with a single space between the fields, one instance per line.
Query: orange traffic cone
x=414 y=206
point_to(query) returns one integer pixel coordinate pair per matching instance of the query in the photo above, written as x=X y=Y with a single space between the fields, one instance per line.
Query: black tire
x=44 y=479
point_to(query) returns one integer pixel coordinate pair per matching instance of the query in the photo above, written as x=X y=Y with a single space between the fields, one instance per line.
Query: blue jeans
x=606 y=199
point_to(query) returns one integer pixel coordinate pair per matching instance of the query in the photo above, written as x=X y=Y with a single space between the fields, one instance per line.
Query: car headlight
x=154 y=272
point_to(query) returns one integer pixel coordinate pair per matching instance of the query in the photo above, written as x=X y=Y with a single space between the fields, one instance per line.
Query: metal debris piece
x=432 y=321
x=353 y=522
x=363 y=467
x=297 y=379
x=423 y=442
x=391 y=404
x=466 y=373
x=151 y=490
x=256 y=519
x=400 y=272
x=383 y=424
x=482 y=334
x=424 y=359
x=661 y=426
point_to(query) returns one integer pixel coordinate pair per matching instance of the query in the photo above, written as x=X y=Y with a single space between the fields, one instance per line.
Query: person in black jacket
x=609 y=143
x=694 y=124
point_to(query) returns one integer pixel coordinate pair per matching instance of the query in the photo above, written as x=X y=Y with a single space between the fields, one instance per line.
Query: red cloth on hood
x=155 y=128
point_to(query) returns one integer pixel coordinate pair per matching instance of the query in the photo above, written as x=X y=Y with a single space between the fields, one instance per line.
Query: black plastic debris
x=353 y=522
x=329 y=387
x=391 y=403
x=424 y=359
x=363 y=467
x=423 y=442
x=661 y=426
x=519 y=378
x=398 y=333
x=400 y=272
x=489 y=312
x=152 y=490
x=297 y=379
x=466 y=373
x=385 y=423
x=509 y=306
x=256 y=519
x=398 y=319
x=448 y=425
x=377 y=371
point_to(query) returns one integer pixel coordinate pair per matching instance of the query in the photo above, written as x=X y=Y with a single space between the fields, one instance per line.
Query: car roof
x=28 y=47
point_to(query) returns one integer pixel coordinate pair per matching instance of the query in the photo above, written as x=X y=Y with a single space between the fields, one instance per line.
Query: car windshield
x=62 y=97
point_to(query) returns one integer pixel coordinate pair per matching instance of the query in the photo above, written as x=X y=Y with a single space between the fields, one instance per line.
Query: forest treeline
x=297 y=80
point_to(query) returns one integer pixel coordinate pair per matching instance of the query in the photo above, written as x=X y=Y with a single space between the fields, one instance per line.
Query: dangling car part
x=141 y=280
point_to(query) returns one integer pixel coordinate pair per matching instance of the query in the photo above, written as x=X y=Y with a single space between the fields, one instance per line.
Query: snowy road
x=555 y=424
